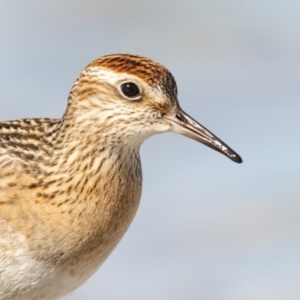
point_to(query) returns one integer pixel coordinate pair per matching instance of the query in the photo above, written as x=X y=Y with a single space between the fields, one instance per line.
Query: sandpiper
x=70 y=187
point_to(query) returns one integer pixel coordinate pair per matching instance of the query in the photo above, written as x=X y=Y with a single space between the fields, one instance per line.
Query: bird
x=70 y=187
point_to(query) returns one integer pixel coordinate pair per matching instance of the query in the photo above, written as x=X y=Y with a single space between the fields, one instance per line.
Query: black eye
x=130 y=89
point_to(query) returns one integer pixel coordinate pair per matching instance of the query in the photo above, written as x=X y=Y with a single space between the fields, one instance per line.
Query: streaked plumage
x=69 y=188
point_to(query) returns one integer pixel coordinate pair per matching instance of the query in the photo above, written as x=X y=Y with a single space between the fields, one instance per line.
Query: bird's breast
x=101 y=202
x=67 y=224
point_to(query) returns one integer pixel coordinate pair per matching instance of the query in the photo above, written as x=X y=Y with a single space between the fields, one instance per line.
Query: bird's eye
x=130 y=90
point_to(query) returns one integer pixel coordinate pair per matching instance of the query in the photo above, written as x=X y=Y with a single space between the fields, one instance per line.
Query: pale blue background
x=207 y=228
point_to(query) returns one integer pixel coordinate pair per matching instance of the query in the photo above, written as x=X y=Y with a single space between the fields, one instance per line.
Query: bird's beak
x=182 y=123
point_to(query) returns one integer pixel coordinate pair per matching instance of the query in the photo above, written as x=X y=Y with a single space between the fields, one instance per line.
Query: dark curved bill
x=185 y=125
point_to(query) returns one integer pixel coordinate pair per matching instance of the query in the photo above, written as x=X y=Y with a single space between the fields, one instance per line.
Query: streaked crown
x=153 y=73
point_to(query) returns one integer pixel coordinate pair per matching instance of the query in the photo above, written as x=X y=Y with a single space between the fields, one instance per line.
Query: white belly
x=24 y=278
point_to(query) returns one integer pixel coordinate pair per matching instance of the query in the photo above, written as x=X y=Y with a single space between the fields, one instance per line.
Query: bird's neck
x=100 y=184
x=96 y=162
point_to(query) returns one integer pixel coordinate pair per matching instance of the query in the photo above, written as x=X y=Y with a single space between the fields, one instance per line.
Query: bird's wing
x=10 y=167
x=7 y=162
x=17 y=138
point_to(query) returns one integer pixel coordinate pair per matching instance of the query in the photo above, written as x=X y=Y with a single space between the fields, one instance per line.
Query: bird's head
x=131 y=98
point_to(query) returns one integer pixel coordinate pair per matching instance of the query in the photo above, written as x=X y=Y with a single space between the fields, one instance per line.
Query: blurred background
x=206 y=228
